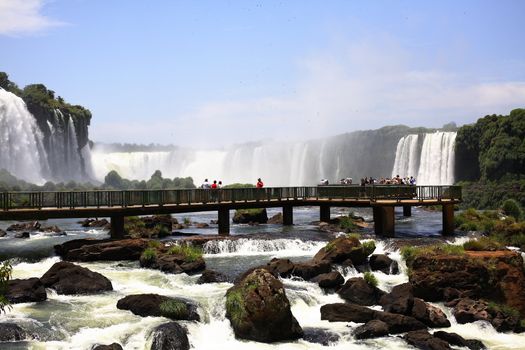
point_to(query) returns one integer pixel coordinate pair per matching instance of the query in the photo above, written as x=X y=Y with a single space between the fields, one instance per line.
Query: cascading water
x=407 y=157
x=22 y=150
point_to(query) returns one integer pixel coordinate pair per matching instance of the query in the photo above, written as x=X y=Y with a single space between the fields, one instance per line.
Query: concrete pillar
x=407 y=210
x=384 y=221
x=324 y=211
x=224 y=221
x=287 y=215
x=448 y=219
x=117 y=227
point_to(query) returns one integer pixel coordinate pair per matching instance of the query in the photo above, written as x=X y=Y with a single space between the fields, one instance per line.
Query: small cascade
x=244 y=246
x=407 y=157
x=22 y=151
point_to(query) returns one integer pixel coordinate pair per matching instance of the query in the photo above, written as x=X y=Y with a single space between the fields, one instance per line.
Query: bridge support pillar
x=407 y=210
x=117 y=227
x=224 y=221
x=287 y=215
x=448 y=219
x=324 y=213
x=384 y=221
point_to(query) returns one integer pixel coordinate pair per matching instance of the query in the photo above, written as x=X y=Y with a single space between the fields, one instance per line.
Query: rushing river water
x=79 y=322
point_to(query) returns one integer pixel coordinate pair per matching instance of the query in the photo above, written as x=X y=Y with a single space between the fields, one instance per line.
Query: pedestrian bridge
x=118 y=204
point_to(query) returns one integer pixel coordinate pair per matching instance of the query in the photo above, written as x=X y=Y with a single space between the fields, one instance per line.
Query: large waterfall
x=22 y=150
x=432 y=161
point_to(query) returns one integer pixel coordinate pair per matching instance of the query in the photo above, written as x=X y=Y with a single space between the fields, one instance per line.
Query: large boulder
x=25 y=226
x=210 y=276
x=246 y=216
x=381 y=262
x=24 y=234
x=25 y=291
x=320 y=336
x=421 y=339
x=344 y=312
x=125 y=249
x=468 y=310
x=457 y=340
x=341 y=249
x=170 y=336
x=259 y=310
x=102 y=223
x=159 y=305
x=494 y=275
x=173 y=263
x=63 y=249
x=400 y=299
x=67 y=278
x=357 y=291
x=3 y=233
x=309 y=269
x=11 y=332
x=113 y=346
x=329 y=280
x=371 y=329
x=430 y=315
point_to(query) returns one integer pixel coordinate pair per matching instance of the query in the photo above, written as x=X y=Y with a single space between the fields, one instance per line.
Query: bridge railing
x=125 y=198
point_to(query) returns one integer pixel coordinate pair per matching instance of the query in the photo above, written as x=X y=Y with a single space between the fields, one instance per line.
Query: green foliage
x=186 y=221
x=369 y=247
x=149 y=255
x=370 y=278
x=5 y=274
x=473 y=220
x=354 y=236
x=190 y=253
x=235 y=308
x=482 y=244
x=329 y=246
x=512 y=207
x=489 y=194
x=162 y=230
x=507 y=311
x=347 y=224
x=154 y=244
x=239 y=185
x=410 y=253
x=174 y=309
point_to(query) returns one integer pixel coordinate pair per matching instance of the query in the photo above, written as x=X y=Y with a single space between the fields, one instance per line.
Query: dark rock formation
x=467 y=310
x=25 y=291
x=320 y=336
x=173 y=263
x=246 y=216
x=357 y=291
x=113 y=346
x=371 y=329
x=25 y=226
x=22 y=235
x=2 y=233
x=102 y=223
x=62 y=249
x=67 y=278
x=159 y=305
x=210 y=276
x=125 y=249
x=170 y=336
x=276 y=219
x=429 y=315
x=400 y=299
x=457 y=340
x=11 y=332
x=421 y=339
x=341 y=249
x=381 y=262
x=259 y=310
x=329 y=280
x=309 y=269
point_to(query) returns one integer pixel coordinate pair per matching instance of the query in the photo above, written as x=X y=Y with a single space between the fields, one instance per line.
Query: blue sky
x=213 y=73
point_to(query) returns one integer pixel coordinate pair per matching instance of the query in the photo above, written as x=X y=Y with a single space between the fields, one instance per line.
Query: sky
x=207 y=74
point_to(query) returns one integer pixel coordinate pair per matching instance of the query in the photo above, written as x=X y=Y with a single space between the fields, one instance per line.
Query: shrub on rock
x=159 y=305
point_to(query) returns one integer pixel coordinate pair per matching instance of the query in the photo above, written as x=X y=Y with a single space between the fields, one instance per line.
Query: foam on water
x=244 y=246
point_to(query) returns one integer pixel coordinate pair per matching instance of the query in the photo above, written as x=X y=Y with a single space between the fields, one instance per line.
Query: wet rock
x=102 y=223
x=159 y=305
x=113 y=346
x=357 y=291
x=201 y=225
x=371 y=329
x=320 y=336
x=67 y=278
x=457 y=340
x=400 y=299
x=429 y=315
x=62 y=249
x=344 y=312
x=341 y=249
x=125 y=249
x=259 y=310
x=25 y=291
x=468 y=310
x=381 y=262
x=276 y=219
x=329 y=280
x=51 y=229
x=246 y=216
x=170 y=336
x=2 y=233
x=309 y=269
x=421 y=339
x=174 y=263
x=210 y=276
x=280 y=267
x=25 y=226
x=11 y=332
x=22 y=235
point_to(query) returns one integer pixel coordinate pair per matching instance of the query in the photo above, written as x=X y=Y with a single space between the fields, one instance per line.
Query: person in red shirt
x=214 y=185
x=260 y=184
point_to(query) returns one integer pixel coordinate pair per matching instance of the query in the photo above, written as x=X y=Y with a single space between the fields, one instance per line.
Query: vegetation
x=347 y=224
x=507 y=311
x=5 y=275
x=483 y=244
x=410 y=253
x=235 y=305
x=239 y=185
x=190 y=253
x=149 y=255
x=369 y=247
x=512 y=208
x=370 y=278
x=491 y=194
x=174 y=309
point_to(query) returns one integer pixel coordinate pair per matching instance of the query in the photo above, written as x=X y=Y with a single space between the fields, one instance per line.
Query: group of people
x=218 y=184
x=397 y=180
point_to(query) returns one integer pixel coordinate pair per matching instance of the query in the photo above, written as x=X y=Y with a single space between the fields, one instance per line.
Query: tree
x=113 y=180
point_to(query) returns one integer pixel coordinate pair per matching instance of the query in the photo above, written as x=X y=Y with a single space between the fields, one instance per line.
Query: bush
x=512 y=208
x=410 y=253
x=149 y=255
x=174 y=309
x=162 y=230
x=370 y=278
x=347 y=224
x=483 y=244
x=154 y=244
x=369 y=247
x=5 y=274
x=190 y=253
x=507 y=311
x=235 y=306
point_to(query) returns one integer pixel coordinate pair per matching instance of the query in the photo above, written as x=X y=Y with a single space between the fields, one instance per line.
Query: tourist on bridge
x=260 y=184
x=205 y=185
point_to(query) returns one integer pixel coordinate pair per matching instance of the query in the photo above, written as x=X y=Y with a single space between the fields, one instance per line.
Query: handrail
x=127 y=198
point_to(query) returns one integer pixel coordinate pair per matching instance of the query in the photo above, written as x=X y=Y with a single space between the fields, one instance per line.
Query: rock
x=25 y=226
x=62 y=249
x=114 y=346
x=320 y=336
x=159 y=305
x=170 y=336
x=329 y=280
x=429 y=315
x=210 y=276
x=2 y=233
x=67 y=278
x=174 y=263
x=280 y=267
x=457 y=340
x=276 y=219
x=22 y=235
x=344 y=312
x=494 y=275
x=259 y=310
x=125 y=249
x=341 y=249
x=381 y=262
x=371 y=329
x=421 y=339
x=357 y=291
x=400 y=299
x=155 y=220
x=467 y=310
x=102 y=223
x=51 y=229
x=25 y=291
x=201 y=225
x=310 y=269
x=11 y=332
x=246 y=216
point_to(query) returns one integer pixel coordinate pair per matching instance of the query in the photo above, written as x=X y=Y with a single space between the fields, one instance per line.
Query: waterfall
x=407 y=157
x=22 y=150
x=437 y=159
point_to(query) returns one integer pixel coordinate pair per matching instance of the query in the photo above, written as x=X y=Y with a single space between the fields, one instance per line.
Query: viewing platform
x=117 y=204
